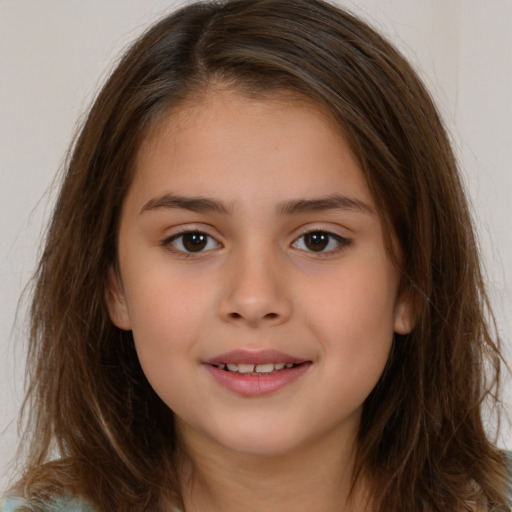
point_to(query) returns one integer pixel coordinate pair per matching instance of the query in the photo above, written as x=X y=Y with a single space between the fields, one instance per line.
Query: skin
x=257 y=285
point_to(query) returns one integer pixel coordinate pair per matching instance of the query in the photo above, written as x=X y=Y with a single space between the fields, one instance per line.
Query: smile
x=255 y=373
x=255 y=369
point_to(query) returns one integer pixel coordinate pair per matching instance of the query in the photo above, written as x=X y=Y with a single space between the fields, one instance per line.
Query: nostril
x=269 y=316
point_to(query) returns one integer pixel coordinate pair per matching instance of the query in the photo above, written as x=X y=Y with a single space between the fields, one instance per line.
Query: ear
x=116 y=301
x=404 y=319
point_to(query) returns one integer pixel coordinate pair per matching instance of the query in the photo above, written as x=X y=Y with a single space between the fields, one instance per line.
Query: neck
x=311 y=478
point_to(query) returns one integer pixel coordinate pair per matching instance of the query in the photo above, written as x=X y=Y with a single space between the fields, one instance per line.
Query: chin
x=264 y=438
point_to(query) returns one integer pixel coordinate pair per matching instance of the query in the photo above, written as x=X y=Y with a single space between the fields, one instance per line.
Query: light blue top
x=66 y=504
x=63 y=504
x=13 y=503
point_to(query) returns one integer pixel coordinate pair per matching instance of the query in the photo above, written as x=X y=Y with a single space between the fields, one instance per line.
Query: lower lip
x=256 y=385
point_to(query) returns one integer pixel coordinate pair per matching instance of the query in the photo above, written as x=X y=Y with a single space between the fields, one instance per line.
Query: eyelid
x=323 y=227
x=183 y=229
x=342 y=241
x=167 y=242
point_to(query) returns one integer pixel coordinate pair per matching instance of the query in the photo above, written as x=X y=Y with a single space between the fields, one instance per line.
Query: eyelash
x=341 y=242
x=170 y=242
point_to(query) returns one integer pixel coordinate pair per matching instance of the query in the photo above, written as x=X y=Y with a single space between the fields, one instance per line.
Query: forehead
x=225 y=108
x=229 y=137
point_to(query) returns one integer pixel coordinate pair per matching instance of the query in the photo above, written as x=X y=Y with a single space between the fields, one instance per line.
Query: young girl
x=260 y=288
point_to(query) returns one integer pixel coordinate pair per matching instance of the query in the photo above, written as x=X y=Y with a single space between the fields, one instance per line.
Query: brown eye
x=320 y=241
x=316 y=241
x=193 y=242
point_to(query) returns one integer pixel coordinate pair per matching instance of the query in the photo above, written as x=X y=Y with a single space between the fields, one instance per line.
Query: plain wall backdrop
x=54 y=54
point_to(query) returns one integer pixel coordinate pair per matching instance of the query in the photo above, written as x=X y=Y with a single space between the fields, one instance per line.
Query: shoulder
x=64 y=504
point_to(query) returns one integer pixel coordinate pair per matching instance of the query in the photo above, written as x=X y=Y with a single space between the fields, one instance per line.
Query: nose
x=255 y=292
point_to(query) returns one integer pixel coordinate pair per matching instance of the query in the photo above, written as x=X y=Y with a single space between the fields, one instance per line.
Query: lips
x=256 y=357
x=256 y=373
x=254 y=369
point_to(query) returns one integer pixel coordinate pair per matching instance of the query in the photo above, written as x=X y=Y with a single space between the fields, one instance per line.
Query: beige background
x=54 y=54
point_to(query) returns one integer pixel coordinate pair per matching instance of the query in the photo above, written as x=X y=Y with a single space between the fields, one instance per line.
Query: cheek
x=356 y=335
x=163 y=300
x=166 y=318
x=164 y=325
x=354 y=303
x=353 y=316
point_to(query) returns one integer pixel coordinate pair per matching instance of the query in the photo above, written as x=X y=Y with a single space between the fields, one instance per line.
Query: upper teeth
x=254 y=368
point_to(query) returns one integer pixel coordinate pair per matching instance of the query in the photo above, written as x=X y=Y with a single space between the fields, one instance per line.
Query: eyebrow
x=333 y=202
x=195 y=204
x=206 y=204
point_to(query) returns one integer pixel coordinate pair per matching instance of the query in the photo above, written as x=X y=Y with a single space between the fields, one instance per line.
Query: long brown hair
x=422 y=442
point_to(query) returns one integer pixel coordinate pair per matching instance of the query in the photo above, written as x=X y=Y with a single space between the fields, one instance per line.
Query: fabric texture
x=66 y=504
x=17 y=504
x=63 y=504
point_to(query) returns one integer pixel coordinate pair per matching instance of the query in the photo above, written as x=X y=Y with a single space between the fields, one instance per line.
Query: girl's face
x=254 y=275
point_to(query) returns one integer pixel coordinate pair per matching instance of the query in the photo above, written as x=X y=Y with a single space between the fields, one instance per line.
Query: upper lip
x=254 y=357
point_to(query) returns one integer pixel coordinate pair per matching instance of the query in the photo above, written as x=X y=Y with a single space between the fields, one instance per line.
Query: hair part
x=422 y=442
